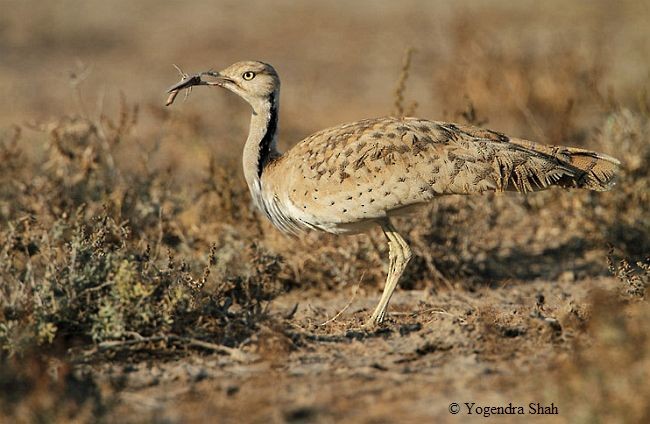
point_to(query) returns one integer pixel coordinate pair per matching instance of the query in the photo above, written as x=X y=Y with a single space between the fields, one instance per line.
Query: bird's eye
x=248 y=75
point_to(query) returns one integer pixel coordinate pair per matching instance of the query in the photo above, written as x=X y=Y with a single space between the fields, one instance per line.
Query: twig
x=436 y=272
x=117 y=344
x=235 y=354
x=95 y=288
x=401 y=84
x=428 y=311
x=528 y=115
x=76 y=77
x=354 y=295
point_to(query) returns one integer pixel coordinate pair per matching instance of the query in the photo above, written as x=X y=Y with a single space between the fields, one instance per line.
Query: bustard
x=348 y=178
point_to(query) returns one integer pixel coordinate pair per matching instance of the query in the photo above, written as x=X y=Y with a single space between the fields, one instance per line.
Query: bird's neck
x=261 y=145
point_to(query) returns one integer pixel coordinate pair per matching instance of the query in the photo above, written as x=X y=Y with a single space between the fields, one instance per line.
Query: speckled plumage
x=347 y=178
x=341 y=179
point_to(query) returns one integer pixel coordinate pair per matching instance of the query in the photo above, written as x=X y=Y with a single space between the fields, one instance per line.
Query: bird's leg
x=379 y=312
x=399 y=254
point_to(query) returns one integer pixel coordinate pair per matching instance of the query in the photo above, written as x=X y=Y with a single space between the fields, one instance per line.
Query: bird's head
x=253 y=81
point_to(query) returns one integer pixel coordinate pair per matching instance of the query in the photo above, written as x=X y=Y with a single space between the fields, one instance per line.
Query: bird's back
x=342 y=178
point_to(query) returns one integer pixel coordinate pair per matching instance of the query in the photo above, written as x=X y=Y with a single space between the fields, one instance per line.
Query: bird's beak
x=219 y=79
x=192 y=80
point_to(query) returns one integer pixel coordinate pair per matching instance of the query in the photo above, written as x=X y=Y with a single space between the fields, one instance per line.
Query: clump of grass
x=94 y=286
x=623 y=211
x=399 y=110
x=470 y=114
x=83 y=257
x=635 y=279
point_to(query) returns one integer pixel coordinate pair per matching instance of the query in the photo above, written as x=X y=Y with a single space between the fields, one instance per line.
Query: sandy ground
x=491 y=347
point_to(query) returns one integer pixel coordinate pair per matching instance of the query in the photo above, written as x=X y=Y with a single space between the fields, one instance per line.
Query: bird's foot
x=374 y=321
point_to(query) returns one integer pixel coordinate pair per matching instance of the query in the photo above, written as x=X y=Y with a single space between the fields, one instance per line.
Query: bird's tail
x=600 y=170
x=592 y=170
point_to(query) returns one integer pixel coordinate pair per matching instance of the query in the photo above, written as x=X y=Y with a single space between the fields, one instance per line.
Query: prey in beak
x=188 y=81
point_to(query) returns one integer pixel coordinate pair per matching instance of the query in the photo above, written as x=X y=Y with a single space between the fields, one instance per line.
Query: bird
x=355 y=176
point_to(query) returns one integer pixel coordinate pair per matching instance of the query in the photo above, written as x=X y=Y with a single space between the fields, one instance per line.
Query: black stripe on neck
x=267 y=140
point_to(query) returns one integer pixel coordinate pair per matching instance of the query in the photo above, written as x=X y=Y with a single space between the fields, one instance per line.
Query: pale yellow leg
x=399 y=254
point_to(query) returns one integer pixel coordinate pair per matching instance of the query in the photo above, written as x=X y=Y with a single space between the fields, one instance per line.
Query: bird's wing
x=366 y=168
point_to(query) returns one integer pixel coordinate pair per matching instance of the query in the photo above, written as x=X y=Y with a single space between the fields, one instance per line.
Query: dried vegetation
x=110 y=254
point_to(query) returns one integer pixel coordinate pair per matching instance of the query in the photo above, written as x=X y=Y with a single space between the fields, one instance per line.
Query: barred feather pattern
x=341 y=178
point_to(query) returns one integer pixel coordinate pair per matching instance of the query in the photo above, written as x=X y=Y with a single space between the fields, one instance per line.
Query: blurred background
x=339 y=61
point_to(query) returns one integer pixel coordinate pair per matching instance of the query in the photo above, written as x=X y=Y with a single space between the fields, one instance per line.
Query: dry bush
x=635 y=278
x=627 y=134
x=87 y=257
